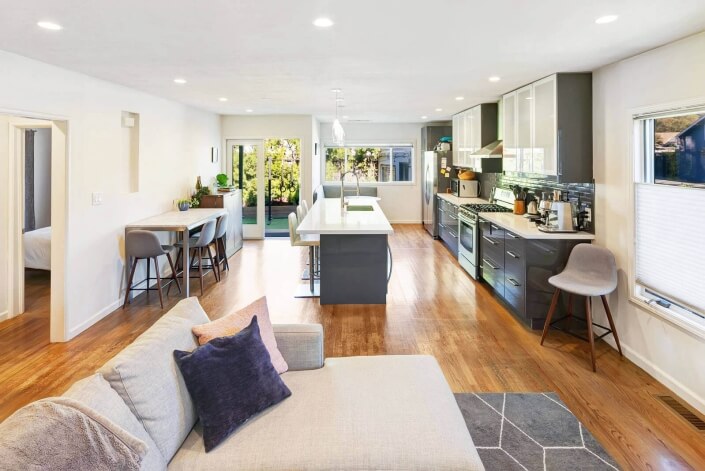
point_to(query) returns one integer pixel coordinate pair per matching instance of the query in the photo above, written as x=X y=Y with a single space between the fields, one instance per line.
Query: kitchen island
x=354 y=257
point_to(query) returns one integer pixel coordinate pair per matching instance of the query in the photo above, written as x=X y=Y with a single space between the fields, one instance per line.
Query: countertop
x=326 y=217
x=521 y=226
x=458 y=201
x=178 y=220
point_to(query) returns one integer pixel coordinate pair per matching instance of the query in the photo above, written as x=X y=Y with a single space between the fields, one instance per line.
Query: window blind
x=670 y=243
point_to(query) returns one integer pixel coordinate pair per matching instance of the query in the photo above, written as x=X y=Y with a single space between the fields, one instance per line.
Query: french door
x=245 y=164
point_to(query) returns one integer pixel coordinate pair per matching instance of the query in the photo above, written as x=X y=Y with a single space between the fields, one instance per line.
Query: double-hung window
x=669 y=255
x=390 y=163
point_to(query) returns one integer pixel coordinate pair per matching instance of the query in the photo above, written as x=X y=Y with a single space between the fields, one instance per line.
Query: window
x=669 y=208
x=373 y=164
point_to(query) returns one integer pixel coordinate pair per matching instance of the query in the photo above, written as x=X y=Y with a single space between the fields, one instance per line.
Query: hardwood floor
x=433 y=308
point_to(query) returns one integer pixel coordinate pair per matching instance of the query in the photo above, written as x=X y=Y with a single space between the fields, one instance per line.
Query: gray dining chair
x=200 y=248
x=145 y=245
x=221 y=236
x=590 y=271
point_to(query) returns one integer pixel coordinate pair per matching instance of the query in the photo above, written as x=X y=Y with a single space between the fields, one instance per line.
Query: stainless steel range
x=468 y=233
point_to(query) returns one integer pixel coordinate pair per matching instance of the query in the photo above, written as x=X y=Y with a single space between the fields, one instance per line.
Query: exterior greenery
x=372 y=164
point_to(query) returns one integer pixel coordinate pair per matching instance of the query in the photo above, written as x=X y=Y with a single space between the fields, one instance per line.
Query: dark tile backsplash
x=585 y=191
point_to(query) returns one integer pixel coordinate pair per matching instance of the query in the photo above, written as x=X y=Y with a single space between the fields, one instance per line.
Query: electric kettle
x=561 y=219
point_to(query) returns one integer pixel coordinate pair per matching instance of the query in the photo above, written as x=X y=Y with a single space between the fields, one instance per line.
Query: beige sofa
x=380 y=412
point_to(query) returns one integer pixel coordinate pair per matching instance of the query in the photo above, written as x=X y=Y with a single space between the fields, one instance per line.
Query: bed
x=37 y=249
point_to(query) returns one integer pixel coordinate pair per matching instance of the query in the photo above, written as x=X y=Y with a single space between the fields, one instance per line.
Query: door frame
x=250 y=231
x=17 y=122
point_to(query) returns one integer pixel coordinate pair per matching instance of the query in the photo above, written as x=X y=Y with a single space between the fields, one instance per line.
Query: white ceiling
x=395 y=60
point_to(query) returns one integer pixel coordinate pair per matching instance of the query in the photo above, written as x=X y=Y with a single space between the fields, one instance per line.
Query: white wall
x=175 y=146
x=276 y=126
x=4 y=216
x=669 y=74
x=42 y=178
x=401 y=202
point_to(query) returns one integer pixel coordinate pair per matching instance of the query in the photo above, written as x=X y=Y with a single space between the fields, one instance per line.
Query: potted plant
x=222 y=180
x=183 y=205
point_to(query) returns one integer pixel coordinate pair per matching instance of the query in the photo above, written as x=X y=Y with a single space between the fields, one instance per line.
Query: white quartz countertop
x=523 y=227
x=458 y=201
x=326 y=217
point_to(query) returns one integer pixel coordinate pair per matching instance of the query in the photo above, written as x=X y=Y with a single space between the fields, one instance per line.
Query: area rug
x=530 y=431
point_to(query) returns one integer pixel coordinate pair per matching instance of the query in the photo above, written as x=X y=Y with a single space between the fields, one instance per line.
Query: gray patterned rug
x=530 y=431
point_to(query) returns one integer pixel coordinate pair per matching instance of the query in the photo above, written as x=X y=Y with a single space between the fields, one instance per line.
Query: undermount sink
x=362 y=207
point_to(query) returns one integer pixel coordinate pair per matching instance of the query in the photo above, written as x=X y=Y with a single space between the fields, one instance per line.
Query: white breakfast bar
x=354 y=253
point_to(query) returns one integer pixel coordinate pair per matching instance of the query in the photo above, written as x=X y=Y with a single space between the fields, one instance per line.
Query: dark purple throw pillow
x=230 y=379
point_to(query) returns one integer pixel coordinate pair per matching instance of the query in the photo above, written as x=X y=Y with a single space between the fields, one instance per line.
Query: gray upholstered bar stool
x=200 y=247
x=145 y=245
x=590 y=271
x=301 y=212
x=310 y=241
x=221 y=236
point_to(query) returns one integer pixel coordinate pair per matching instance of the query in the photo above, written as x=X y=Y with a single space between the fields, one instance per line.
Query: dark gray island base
x=354 y=269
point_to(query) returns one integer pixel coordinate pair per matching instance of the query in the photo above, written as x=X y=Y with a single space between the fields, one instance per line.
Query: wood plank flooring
x=433 y=308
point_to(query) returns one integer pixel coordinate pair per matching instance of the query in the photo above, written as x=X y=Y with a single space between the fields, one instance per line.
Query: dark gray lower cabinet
x=518 y=270
x=448 y=224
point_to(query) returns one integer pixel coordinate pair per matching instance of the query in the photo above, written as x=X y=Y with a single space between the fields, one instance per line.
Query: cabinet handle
x=512 y=254
x=513 y=282
x=489 y=240
x=512 y=235
x=452 y=234
x=450 y=215
x=489 y=264
x=558 y=152
x=496 y=228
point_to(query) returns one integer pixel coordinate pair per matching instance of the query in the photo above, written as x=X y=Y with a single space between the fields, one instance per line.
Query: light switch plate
x=97 y=198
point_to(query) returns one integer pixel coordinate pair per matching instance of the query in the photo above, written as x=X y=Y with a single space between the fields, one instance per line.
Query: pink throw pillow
x=237 y=321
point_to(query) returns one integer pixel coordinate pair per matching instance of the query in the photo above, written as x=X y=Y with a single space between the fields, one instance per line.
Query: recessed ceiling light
x=494 y=78
x=248 y=110
x=323 y=22
x=424 y=117
x=222 y=99
x=180 y=81
x=460 y=98
x=603 y=20
x=49 y=25
x=345 y=116
x=439 y=109
x=336 y=90
x=529 y=98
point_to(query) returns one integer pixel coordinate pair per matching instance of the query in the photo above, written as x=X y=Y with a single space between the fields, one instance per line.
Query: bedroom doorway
x=35 y=178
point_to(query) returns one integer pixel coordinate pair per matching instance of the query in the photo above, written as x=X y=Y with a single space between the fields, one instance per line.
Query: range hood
x=490 y=150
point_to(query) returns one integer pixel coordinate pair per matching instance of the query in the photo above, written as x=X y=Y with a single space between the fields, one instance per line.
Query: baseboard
x=4 y=315
x=664 y=378
x=406 y=221
x=94 y=318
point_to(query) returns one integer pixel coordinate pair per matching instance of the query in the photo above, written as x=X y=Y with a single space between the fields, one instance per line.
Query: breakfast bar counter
x=354 y=256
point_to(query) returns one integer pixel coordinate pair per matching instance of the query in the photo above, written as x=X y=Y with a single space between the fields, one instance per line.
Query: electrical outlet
x=588 y=214
x=97 y=198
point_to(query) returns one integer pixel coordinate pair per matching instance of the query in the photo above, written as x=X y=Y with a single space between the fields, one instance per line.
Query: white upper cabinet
x=545 y=155
x=525 y=97
x=472 y=130
x=509 y=125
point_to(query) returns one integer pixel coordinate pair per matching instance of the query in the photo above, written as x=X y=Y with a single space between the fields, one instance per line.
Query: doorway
x=283 y=185
x=245 y=163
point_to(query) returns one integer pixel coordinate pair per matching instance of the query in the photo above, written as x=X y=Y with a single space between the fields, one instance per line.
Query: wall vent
x=687 y=415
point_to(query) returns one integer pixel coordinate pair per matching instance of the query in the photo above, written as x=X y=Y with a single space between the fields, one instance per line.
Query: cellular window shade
x=670 y=243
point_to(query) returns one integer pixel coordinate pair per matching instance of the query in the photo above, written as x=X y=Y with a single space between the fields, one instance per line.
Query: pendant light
x=338 y=131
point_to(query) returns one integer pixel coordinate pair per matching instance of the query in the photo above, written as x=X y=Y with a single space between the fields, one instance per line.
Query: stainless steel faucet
x=342 y=187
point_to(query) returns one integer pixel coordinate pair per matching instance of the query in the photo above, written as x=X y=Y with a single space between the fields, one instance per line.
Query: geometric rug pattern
x=530 y=431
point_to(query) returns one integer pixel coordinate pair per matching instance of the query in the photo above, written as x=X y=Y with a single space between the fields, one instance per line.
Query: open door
x=245 y=164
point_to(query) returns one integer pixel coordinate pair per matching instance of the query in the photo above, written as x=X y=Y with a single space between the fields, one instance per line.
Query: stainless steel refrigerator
x=433 y=182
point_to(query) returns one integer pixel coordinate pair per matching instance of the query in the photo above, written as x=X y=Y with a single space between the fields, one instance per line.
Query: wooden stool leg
x=591 y=337
x=200 y=267
x=148 y=275
x=215 y=266
x=179 y=258
x=611 y=321
x=129 y=283
x=173 y=274
x=551 y=310
x=159 y=282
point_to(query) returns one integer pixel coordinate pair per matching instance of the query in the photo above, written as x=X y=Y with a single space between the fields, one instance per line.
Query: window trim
x=640 y=173
x=374 y=143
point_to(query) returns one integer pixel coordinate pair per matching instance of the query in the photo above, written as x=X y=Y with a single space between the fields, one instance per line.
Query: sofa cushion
x=236 y=321
x=63 y=434
x=383 y=412
x=96 y=393
x=230 y=379
x=146 y=377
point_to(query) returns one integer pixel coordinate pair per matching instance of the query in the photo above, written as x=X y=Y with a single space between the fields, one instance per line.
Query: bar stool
x=145 y=245
x=310 y=241
x=200 y=247
x=304 y=205
x=221 y=235
x=590 y=271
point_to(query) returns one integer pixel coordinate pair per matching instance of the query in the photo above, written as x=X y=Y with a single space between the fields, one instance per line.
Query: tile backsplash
x=584 y=191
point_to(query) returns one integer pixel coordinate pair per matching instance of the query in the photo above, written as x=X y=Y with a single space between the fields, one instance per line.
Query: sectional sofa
x=355 y=413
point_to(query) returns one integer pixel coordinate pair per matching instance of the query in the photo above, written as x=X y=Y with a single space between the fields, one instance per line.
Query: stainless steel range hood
x=490 y=150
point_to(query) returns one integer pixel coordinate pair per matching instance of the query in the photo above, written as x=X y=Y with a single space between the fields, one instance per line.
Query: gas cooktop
x=485 y=208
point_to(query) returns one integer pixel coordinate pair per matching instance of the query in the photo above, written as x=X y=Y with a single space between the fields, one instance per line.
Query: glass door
x=245 y=162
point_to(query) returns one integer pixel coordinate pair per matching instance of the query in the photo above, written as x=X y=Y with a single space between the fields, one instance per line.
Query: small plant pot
x=183 y=206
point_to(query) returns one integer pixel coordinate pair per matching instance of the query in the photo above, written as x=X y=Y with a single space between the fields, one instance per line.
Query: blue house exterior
x=688 y=163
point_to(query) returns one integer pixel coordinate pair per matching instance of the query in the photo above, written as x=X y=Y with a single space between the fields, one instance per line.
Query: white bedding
x=37 y=249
